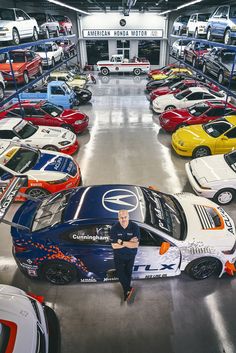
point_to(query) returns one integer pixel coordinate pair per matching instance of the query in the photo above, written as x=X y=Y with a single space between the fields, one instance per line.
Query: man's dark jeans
x=124 y=267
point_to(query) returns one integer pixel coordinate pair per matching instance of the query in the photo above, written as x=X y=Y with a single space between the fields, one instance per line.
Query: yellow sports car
x=171 y=72
x=215 y=137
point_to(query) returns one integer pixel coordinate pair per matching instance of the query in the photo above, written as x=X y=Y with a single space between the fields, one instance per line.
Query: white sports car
x=50 y=52
x=48 y=138
x=186 y=98
x=214 y=177
x=25 y=323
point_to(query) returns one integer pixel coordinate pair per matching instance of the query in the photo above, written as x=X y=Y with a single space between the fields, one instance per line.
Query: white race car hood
x=207 y=223
x=50 y=135
x=211 y=169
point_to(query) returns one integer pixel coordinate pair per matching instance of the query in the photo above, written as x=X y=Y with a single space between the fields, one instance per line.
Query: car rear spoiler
x=7 y=197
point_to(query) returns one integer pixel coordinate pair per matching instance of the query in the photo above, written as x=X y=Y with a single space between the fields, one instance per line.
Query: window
x=7 y=134
x=218 y=12
x=216 y=112
x=150 y=50
x=93 y=235
x=195 y=96
x=149 y=239
x=97 y=50
x=57 y=90
x=231 y=134
x=30 y=111
x=15 y=113
x=225 y=11
x=207 y=96
x=22 y=14
x=7 y=15
x=29 y=56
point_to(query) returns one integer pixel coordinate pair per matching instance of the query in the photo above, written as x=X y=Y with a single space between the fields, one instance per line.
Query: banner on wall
x=123 y=33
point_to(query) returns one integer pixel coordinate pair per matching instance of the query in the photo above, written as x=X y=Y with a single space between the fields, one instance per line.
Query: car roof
x=9 y=123
x=104 y=202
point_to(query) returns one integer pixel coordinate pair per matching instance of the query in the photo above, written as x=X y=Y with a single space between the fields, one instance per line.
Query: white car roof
x=9 y=123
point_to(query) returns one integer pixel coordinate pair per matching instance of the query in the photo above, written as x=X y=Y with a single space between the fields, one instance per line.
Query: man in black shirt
x=125 y=237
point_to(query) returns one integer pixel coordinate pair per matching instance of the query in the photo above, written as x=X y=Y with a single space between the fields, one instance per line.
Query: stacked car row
x=221 y=24
x=16 y=24
x=203 y=124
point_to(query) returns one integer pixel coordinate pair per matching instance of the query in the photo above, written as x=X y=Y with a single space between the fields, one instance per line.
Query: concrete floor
x=124 y=144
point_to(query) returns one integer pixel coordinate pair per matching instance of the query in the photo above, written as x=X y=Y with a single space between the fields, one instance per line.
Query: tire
x=227 y=37
x=47 y=33
x=224 y=196
x=40 y=71
x=204 y=68
x=105 y=71
x=2 y=92
x=68 y=127
x=169 y=107
x=35 y=36
x=15 y=37
x=203 y=268
x=137 y=72
x=58 y=272
x=201 y=151
x=26 y=77
x=37 y=192
x=209 y=35
x=53 y=62
x=221 y=77
x=50 y=148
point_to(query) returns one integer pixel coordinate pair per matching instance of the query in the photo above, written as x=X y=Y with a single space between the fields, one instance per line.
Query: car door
x=214 y=21
x=31 y=65
x=226 y=142
x=53 y=23
x=91 y=246
x=149 y=263
x=24 y=24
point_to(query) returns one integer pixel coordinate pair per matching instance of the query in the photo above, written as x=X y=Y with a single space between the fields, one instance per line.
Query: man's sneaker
x=130 y=294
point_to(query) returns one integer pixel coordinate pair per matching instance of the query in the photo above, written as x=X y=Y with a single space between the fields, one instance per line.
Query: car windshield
x=230 y=159
x=19 y=159
x=38 y=16
x=227 y=56
x=217 y=127
x=59 y=17
x=66 y=88
x=183 y=42
x=52 y=109
x=198 y=109
x=25 y=129
x=50 y=211
x=165 y=213
x=7 y=15
x=182 y=95
x=232 y=11
x=219 y=94
x=203 y=17
x=183 y=19
x=43 y=48
x=18 y=57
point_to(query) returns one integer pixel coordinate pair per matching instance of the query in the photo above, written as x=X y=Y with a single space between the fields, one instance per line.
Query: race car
x=171 y=72
x=53 y=139
x=199 y=113
x=214 y=177
x=215 y=137
x=180 y=86
x=43 y=113
x=26 y=323
x=66 y=236
x=47 y=171
x=186 y=98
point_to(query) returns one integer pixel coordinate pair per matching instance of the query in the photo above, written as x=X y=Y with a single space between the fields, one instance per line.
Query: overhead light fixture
x=167 y=11
x=68 y=6
x=188 y=4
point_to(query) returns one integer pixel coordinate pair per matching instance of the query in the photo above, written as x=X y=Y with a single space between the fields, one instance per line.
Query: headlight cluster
x=60 y=181
x=64 y=143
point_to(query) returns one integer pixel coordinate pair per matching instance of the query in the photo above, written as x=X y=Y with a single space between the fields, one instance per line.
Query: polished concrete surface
x=124 y=144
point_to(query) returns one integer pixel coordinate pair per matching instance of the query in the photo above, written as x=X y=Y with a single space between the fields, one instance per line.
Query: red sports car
x=25 y=64
x=48 y=114
x=199 y=113
x=65 y=24
x=180 y=86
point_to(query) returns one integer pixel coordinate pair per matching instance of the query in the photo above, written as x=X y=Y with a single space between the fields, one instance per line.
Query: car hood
x=193 y=133
x=203 y=230
x=211 y=169
x=72 y=115
x=162 y=90
x=48 y=134
x=166 y=99
x=57 y=165
x=179 y=114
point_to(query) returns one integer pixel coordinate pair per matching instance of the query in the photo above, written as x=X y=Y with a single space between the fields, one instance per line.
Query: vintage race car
x=172 y=71
x=67 y=235
x=199 y=113
x=214 y=177
x=25 y=64
x=215 y=137
x=53 y=139
x=186 y=98
x=26 y=323
x=47 y=171
x=43 y=113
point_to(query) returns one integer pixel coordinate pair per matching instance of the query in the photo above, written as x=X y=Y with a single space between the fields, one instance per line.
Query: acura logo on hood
x=120 y=199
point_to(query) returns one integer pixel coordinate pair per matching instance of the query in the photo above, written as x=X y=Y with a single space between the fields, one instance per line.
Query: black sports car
x=153 y=84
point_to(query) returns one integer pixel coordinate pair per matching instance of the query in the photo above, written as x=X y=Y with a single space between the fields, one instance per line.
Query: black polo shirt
x=125 y=234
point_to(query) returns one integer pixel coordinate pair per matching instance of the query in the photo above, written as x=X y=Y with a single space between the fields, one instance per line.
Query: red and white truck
x=119 y=64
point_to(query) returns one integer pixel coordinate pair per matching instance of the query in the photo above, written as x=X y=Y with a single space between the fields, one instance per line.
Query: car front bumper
x=208 y=193
x=181 y=150
x=70 y=149
x=5 y=36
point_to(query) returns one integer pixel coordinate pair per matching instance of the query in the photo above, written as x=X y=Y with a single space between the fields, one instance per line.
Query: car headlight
x=79 y=122
x=181 y=143
x=233 y=28
x=60 y=181
x=4 y=29
x=64 y=143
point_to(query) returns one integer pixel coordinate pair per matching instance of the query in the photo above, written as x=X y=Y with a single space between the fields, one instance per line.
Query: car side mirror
x=164 y=247
x=224 y=138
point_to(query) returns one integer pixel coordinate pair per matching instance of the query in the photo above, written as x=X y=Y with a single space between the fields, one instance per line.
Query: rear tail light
x=19 y=248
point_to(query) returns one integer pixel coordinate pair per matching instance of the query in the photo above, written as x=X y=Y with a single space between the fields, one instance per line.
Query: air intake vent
x=206 y=218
